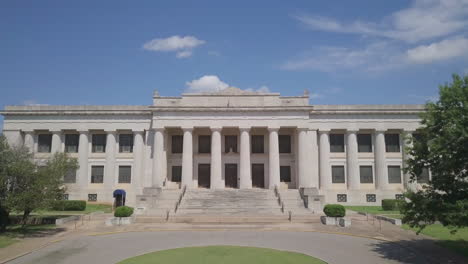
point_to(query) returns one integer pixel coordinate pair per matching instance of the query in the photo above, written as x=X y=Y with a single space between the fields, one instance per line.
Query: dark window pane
x=44 y=144
x=336 y=142
x=177 y=143
x=126 y=143
x=424 y=176
x=176 y=173
x=284 y=143
x=364 y=142
x=97 y=174
x=338 y=174
x=366 y=174
x=204 y=144
x=285 y=173
x=230 y=144
x=99 y=143
x=394 y=174
x=257 y=144
x=71 y=143
x=125 y=174
x=392 y=142
x=70 y=177
x=92 y=197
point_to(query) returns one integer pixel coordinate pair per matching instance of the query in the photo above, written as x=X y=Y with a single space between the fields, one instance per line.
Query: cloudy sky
x=118 y=52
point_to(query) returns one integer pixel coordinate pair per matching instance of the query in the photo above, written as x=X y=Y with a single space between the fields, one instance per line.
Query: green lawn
x=457 y=242
x=223 y=254
x=17 y=231
x=90 y=208
x=377 y=210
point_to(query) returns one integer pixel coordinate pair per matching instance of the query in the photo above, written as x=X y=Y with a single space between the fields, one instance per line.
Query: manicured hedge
x=69 y=205
x=391 y=204
x=123 y=211
x=334 y=210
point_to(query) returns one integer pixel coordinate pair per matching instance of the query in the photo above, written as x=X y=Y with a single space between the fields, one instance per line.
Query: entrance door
x=258 y=176
x=230 y=175
x=204 y=175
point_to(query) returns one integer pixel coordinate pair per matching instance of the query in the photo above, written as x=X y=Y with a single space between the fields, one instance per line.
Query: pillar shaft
x=138 y=159
x=380 y=166
x=56 y=142
x=216 y=170
x=352 y=165
x=109 y=170
x=274 y=164
x=187 y=158
x=324 y=157
x=303 y=144
x=29 y=140
x=83 y=152
x=159 y=158
x=245 y=171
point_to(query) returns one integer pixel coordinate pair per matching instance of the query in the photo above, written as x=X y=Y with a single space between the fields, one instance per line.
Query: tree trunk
x=25 y=217
x=4 y=219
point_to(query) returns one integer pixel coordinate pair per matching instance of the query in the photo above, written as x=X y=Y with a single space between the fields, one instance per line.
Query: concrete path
x=331 y=248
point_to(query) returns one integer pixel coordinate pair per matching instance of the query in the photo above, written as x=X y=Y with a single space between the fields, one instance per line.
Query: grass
x=90 y=208
x=14 y=232
x=377 y=210
x=223 y=254
x=457 y=242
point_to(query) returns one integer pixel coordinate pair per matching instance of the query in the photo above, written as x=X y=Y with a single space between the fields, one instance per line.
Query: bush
x=123 y=211
x=69 y=205
x=334 y=210
x=391 y=204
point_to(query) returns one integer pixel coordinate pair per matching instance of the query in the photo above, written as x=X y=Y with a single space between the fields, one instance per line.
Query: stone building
x=351 y=154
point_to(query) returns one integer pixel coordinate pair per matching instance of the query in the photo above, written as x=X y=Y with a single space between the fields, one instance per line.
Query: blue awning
x=119 y=192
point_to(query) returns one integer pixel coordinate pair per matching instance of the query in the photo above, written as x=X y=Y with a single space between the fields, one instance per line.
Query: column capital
x=247 y=129
x=380 y=130
x=216 y=129
x=82 y=130
x=324 y=131
x=160 y=129
x=303 y=129
x=189 y=129
x=55 y=131
x=352 y=130
x=28 y=131
x=142 y=131
x=110 y=131
x=273 y=129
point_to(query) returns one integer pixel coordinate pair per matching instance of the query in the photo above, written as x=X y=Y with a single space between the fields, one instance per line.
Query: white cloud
x=182 y=45
x=439 y=51
x=423 y=20
x=207 y=83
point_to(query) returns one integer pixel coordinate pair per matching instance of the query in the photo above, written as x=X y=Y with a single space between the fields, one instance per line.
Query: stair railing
x=181 y=196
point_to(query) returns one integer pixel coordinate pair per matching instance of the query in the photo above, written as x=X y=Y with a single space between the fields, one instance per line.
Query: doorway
x=230 y=175
x=258 y=175
x=204 y=175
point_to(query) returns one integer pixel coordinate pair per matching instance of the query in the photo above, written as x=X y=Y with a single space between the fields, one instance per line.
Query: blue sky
x=118 y=52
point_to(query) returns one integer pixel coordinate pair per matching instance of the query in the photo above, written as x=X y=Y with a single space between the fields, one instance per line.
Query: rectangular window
x=70 y=177
x=257 y=144
x=126 y=143
x=176 y=174
x=177 y=142
x=423 y=177
x=338 y=174
x=204 y=144
x=285 y=173
x=284 y=143
x=336 y=142
x=125 y=174
x=71 y=143
x=44 y=143
x=392 y=142
x=99 y=143
x=364 y=142
x=230 y=144
x=97 y=174
x=394 y=174
x=366 y=175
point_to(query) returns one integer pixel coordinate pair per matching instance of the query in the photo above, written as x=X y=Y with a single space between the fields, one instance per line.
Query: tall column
x=109 y=170
x=56 y=142
x=304 y=180
x=138 y=159
x=313 y=159
x=187 y=158
x=324 y=157
x=408 y=144
x=352 y=164
x=83 y=152
x=216 y=170
x=29 y=140
x=245 y=171
x=380 y=168
x=274 y=163
x=159 y=158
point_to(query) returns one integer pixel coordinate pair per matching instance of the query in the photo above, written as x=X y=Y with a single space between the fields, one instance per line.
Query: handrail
x=179 y=201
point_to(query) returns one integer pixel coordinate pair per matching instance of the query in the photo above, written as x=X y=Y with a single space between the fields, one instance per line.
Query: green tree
x=28 y=186
x=441 y=146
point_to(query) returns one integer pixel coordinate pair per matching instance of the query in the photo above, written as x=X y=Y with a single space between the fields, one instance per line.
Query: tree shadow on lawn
x=420 y=251
x=32 y=231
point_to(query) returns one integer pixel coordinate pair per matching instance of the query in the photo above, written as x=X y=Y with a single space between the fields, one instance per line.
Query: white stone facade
x=296 y=151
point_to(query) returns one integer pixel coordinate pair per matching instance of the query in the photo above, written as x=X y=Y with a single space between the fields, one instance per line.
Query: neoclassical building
x=352 y=154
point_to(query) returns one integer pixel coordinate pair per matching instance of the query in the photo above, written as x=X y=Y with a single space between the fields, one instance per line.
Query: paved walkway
x=364 y=242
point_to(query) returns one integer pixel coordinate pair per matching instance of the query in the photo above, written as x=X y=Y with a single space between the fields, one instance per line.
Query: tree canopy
x=441 y=146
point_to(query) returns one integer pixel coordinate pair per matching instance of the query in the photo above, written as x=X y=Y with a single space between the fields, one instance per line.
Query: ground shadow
x=419 y=251
x=32 y=231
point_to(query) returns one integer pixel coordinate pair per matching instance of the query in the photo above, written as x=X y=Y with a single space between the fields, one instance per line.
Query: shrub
x=69 y=205
x=123 y=211
x=334 y=210
x=391 y=204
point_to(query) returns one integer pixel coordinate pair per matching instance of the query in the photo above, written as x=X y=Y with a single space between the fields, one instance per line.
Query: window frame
x=177 y=144
x=69 y=143
x=285 y=178
x=361 y=146
x=125 y=179
x=336 y=138
x=361 y=176
x=95 y=177
x=285 y=149
x=391 y=167
x=130 y=141
x=44 y=147
x=228 y=143
x=260 y=144
x=390 y=148
x=95 y=144
x=204 y=148
x=177 y=168
x=67 y=176
x=342 y=167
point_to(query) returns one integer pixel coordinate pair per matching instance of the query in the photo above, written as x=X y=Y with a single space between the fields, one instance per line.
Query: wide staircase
x=226 y=206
